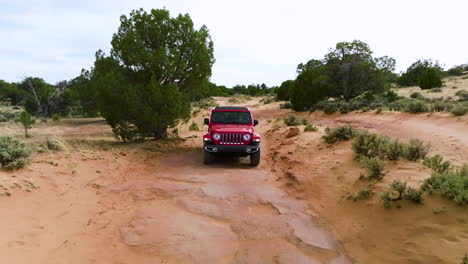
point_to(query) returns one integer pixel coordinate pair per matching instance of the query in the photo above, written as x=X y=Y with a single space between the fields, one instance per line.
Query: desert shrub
x=395 y=150
x=233 y=100
x=196 y=112
x=437 y=164
x=416 y=106
x=416 y=95
x=452 y=185
x=459 y=110
x=27 y=121
x=416 y=150
x=430 y=78
x=286 y=105
x=379 y=110
x=310 y=127
x=374 y=167
x=330 y=108
x=206 y=103
x=267 y=100
x=463 y=94
x=304 y=121
x=439 y=106
x=344 y=108
x=292 y=120
x=413 y=195
x=7 y=116
x=399 y=191
x=56 y=117
x=13 y=153
x=465 y=259
x=435 y=90
x=364 y=193
x=370 y=145
x=333 y=135
x=194 y=127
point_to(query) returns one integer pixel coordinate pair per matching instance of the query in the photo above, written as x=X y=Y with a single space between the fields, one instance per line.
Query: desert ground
x=101 y=201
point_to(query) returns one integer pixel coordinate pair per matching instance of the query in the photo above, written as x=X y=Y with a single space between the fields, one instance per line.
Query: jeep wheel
x=255 y=158
x=207 y=157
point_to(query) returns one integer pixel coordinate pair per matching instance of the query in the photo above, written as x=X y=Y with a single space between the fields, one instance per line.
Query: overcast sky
x=255 y=41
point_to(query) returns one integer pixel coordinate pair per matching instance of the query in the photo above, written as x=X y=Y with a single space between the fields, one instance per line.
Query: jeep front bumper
x=241 y=149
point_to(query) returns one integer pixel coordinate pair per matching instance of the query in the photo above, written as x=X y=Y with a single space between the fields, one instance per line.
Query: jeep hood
x=231 y=128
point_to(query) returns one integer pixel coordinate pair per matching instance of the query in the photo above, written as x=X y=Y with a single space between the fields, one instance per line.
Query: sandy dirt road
x=118 y=204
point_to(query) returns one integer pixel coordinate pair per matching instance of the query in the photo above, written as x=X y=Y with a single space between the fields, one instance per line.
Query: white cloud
x=255 y=41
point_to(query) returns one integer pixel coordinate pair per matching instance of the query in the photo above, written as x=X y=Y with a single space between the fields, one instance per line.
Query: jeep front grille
x=232 y=138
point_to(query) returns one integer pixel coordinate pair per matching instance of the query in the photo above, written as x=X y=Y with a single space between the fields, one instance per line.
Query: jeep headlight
x=216 y=136
x=247 y=137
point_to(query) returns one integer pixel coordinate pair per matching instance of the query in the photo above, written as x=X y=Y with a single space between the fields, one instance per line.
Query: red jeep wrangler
x=231 y=132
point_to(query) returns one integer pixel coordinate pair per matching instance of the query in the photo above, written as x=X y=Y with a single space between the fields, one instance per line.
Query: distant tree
x=311 y=85
x=10 y=92
x=27 y=121
x=284 y=91
x=81 y=95
x=42 y=99
x=430 y=78
x=156 y=65
x=414 y=72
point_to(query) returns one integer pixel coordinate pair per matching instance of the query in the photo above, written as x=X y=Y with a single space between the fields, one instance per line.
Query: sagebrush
x=13 y=153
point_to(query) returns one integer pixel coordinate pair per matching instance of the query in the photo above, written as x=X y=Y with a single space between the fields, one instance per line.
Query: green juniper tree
x=157 y=64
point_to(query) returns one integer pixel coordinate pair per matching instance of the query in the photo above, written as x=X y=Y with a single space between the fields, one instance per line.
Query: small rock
x=293 y=131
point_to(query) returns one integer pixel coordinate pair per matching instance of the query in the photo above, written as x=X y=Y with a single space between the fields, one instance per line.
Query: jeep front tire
x=255 y=158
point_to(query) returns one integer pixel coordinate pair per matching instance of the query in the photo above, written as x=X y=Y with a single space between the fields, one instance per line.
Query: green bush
x=416 y=95
x=430 y=78
x=463 y=94
x=459 y=110
x=304 y=121
x=379 y=110
x=56 y=117
x=416 y=107
x=194 y=127
x=437 y=164
x=395 y=150
x=292 y=120
x=13 y=153
x=370 y=145
x=374 y=167
x=435 y=90
x=399 y=191
x=416 y=150
x=364 y=193
x=452 y=185
x=286 y=105
x=439 y=106
x=310 y=127
x=465 y=259
x=330 y=108
x=267 y=100
x=333 y=135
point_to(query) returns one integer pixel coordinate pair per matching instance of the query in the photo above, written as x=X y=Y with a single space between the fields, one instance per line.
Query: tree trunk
x=26 y=132
x=160 y=133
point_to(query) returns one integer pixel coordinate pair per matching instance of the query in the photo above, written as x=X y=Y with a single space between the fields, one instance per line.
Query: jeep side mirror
x=255 y=122
x=206 y=121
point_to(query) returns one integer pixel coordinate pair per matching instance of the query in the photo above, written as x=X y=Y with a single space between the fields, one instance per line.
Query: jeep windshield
x=231 y=117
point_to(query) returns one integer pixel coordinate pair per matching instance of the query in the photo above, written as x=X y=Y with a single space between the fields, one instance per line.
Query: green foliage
x=416 y=150
x=438 y=164
x=10 y=92
x=435 y=90
x=284 y=91
x=430 y=78
x=459 y=110
x=13 y=153
x=292 y=120
x=364 y=193
x=346 y=71
x=267 y=101
x=304 y=121
x=27 y=121
x=370 y=145
x=463 y=94
x=333 y=135
x=400 y=190
x=156 y=66
x=416 y=95
x=413 y=74
x=456 y=70
x=416 y=107
x=56 y=117
x=310 y=127
x=395 y=150
x=374 y=167
x=194 y=127
x=286 y=105
x=452 y=184
x=205 y=103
